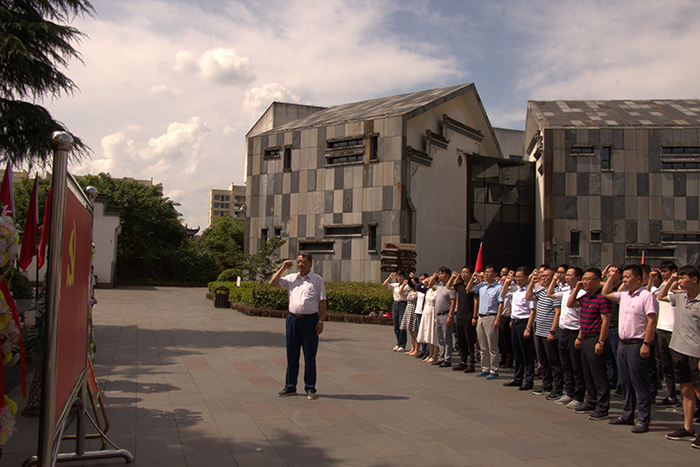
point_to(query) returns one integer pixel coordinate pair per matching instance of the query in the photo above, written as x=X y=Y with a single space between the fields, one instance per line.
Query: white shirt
x=520 y=306
x=305 y=293
x=666 y=313
x=569 y=318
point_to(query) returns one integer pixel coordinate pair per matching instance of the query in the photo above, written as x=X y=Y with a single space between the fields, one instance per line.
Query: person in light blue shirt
x=489 y=321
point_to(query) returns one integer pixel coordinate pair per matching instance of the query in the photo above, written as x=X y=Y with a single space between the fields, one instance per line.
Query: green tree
x=261 y=265
x=224 y=239
x=34 y=48
x=150 y=226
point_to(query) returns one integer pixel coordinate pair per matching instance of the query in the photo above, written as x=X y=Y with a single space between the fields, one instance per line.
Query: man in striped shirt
x=546 y=334
x=592 y=340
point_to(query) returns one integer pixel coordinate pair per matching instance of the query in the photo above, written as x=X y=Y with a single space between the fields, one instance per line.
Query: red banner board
x=72 y=351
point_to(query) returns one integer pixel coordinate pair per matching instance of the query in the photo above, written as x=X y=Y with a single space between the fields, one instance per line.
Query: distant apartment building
x=231 y=202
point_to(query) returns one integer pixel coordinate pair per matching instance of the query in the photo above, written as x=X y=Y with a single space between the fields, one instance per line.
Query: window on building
x=680 y=158
x=239 y=199
x=579 y=150
x=345 y=151
x=263 y=234
x=606 y=158
x=342 y=230
x=237 y=215
x=217 y=197
x=575 y=241
x=278 y=232
x=372 y=238
x=227 y=198
x=217 y=205
x=374 y=147
x=316 y=246
x=215 y=213
x=272 y=152
x=650 y=252
x=595 y=235
x=287 y=161
x=225 y=205
x=680 y=237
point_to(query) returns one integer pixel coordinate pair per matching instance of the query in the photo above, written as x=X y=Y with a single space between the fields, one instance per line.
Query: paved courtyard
x=187 y=384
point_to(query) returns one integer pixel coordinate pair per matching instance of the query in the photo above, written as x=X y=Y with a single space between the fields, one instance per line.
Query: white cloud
x=259 y=98
x=186 y=61
x=225 y=66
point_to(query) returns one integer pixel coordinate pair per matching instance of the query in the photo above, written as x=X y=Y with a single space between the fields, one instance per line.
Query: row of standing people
x=575 y=324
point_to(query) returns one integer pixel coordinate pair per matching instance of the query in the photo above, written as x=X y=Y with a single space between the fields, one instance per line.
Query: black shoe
x=681 y=435
x=421 y=355
x=667 y=402
x=585 y=408
x=513 y=383
x=620 y=421
x=553 y=396
x=617 y=392
x=541 y=391
x=461 y=367
x=470 y=369
x=445 y=364
x=438 y=362
x=598 y=415
x=525 y=387
x=640 y=427
x=287 y=392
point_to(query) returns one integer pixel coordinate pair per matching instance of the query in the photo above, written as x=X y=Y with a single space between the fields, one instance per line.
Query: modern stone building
x=231 y=202
x=615 y=179
x=343 y=181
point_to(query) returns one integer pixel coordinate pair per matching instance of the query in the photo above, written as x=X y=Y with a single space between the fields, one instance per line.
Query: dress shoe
x=598 y=414
x=437 y=362
x=469 y=369
x=526 y=387
x=445 y=364
x=620 y=421
x=640 y=427
x=287 y=392
x=460 y=367
x=513 y=383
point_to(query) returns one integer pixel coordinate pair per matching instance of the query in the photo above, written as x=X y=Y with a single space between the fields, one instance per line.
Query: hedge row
x=358 y=298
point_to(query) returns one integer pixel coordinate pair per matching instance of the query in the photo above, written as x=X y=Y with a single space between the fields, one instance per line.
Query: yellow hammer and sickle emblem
x=72 y=246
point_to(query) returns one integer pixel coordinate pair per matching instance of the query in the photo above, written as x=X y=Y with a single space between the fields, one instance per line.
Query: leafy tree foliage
x=150 y=226
x=34 y=47
x=224 y=239
x=262 y=265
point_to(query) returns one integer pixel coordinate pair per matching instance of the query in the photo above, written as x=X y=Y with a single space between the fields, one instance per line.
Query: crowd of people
x=587 y=334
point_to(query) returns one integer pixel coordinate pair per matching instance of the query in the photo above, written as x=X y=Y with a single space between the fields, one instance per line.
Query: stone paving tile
x=188 y=384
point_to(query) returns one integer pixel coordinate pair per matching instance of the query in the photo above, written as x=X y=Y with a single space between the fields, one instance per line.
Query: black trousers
x=571 y=366
x=634 y=378
x=595 y=373
x=466 y=340
x=505 y=344
x=523 y=354
x=663 y=339
x=552 y=378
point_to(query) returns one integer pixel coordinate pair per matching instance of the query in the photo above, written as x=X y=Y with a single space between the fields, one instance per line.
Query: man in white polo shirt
x=307 y=312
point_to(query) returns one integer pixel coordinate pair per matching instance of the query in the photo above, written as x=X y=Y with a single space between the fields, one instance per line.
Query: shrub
x=229 y=275
x=20 y=286
x=358 y=298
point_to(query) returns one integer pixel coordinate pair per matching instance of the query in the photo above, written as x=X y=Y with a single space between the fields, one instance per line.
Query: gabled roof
x=412 y=103
x=611 y=114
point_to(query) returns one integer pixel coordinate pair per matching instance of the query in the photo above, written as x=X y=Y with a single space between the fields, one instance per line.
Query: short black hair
x=646 y=268
x=565 y=266
x=524 y=269
x=401 y=273
x=635 y=269
x=690 y=271
x=469 y=268
x=578 y=272
x=445 y=270
x=307 y=256
x=595 y=271
x=670 y=265
x=492 y=267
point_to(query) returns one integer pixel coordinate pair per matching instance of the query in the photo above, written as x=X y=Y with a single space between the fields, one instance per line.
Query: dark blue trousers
x=574 y=384
x=523 y=354
x=301 y=334
x=397 y=311
x=634 y=377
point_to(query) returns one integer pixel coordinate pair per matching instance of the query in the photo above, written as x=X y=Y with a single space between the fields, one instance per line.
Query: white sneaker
x=574 y=404
x=401 y=349
x=563 y=400
x=396 y=348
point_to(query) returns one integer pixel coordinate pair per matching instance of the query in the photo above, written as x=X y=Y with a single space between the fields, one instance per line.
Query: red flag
x=45 y=230
x=31 y=226
x=642 y=257
x=7 y=196
x=479 y=266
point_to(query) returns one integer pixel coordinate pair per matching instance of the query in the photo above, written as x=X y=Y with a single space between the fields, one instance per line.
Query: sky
x=168 y=89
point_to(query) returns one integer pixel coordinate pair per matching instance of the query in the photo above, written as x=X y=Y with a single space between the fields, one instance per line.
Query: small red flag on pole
x=479 y=266
x=642 y=257
x=31 y=226
x=7 y=196
x=45 y=231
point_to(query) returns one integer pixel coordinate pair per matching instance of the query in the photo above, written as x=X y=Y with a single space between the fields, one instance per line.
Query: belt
x=488 y=314
x=589 y=335
x=569 y=330
x=631 y=341
x=298 y=316
x=441 y=313
x=519 y=321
